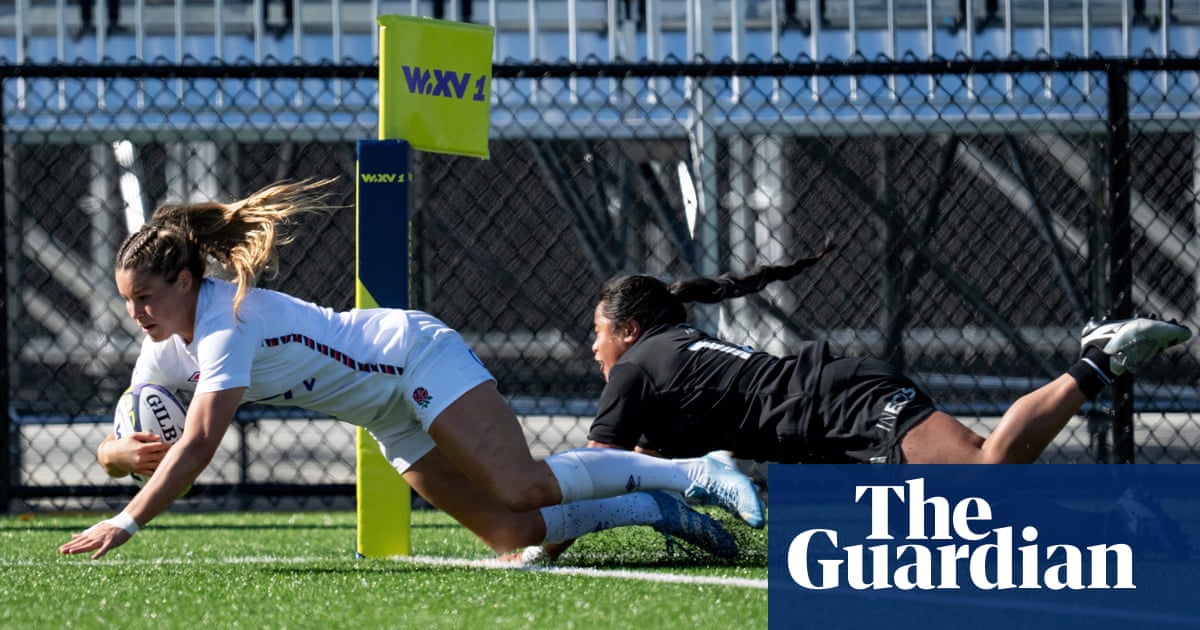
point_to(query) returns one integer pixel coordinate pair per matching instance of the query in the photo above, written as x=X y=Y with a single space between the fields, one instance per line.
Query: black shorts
x=865 y=408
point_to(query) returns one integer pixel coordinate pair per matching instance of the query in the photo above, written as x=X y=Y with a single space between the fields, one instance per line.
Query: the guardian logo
x=948 y=545
x=445 y=83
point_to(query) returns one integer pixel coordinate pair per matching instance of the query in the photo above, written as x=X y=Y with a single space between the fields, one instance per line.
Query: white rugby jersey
x=361 y=366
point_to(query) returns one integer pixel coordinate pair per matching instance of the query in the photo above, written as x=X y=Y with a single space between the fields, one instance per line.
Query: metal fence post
x=8 y=446
x=1120 y=263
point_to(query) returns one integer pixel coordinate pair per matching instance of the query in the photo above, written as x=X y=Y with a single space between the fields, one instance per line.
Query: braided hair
x=650 y=301
x=241 y=236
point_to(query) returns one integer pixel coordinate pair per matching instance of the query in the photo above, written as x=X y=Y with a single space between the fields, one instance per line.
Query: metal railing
x=41 y=31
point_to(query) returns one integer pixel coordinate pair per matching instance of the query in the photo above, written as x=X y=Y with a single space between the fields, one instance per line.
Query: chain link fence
x=985 y=211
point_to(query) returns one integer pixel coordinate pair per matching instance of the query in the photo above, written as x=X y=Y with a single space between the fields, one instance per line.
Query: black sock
x=1100 y=360
x=1092 y=372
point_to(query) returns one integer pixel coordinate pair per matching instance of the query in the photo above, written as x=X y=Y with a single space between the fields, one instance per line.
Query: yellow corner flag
x=436 y=81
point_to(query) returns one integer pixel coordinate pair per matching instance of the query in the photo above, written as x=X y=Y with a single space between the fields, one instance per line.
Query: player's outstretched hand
x=100 y=538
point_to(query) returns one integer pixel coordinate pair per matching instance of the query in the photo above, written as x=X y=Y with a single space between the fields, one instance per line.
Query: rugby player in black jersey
x=675 y=391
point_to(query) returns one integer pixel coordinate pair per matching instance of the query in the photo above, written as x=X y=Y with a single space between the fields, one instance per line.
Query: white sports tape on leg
x=573 y=478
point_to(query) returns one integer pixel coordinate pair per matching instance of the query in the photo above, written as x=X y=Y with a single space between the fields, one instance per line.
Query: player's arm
x=626 y=405
x=208 y=418
x=636 y=449
x=139 y=453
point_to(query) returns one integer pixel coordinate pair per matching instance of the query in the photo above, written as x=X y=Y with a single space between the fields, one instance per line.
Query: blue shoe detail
x=725 y=486
x=692 y=527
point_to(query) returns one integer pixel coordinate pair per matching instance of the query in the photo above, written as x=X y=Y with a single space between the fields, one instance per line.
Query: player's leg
x=665 y=511
x=940 y=439
x=440 y=482
x=713 y=479
x=1024 y=431
x=480 y=435
x=1108 y=349
x=1030 y=424
x=437 y=479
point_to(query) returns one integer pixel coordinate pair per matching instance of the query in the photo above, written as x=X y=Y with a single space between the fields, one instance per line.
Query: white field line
x=619 y=574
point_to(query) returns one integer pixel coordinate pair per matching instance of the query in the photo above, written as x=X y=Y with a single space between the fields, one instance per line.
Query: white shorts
x=441 y=368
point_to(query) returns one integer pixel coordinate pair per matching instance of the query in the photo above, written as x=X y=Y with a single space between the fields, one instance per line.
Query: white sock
x=590 y=473
x=572 y=520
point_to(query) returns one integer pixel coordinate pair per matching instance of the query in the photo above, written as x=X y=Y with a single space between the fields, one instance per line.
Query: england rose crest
x=421 y=397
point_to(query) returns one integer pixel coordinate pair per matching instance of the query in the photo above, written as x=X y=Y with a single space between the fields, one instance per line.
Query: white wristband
x=124 y=521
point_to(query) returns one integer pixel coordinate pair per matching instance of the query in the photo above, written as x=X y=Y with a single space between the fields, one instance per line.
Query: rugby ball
x=149 y=407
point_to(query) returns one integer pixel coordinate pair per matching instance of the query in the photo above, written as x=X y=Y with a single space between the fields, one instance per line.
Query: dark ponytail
x=650 y=301
x=728 y=286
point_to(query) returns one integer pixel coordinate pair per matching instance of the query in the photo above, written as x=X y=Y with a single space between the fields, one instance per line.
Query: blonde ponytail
x=241 y=236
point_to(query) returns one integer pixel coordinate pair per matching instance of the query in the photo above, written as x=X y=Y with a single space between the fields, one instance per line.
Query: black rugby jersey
x=684 y=393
